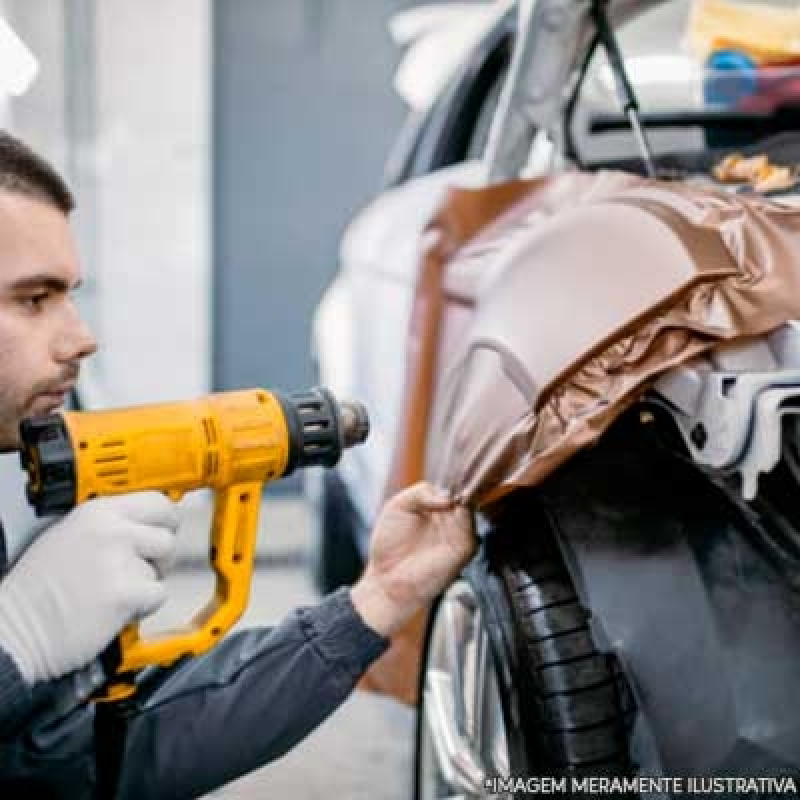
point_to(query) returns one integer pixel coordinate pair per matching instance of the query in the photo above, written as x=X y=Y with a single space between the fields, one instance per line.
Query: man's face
x=42 y=337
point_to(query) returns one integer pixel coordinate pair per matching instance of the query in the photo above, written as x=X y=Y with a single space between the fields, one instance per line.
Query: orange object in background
x=757 y=171
x=768 y=34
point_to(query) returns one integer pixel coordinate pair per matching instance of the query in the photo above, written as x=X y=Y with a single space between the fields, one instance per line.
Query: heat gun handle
x=233 y=545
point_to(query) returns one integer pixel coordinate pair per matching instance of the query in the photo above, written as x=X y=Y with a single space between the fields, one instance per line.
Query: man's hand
x=83 y=580
x=420 y=543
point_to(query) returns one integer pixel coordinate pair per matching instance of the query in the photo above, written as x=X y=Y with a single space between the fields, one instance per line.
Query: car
x=632 y=610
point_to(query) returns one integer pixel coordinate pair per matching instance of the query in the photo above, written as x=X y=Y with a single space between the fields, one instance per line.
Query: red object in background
x=777 y=87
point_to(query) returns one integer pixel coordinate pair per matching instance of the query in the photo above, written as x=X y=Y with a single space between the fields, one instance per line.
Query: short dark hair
x=24 y=172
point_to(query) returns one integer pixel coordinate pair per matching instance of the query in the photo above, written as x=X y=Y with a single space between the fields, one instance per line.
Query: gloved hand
x=83 y=580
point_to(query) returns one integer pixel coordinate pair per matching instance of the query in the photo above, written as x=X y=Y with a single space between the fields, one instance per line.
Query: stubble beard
x=12 y=412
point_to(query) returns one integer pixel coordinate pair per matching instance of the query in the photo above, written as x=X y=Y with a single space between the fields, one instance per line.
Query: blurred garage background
x=211 y=145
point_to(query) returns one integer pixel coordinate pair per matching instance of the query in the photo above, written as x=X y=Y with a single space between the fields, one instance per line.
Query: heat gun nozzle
x=354 y=421
x=321 y=428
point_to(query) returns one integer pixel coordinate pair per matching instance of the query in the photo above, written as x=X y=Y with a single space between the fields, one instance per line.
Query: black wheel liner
x=697 y=594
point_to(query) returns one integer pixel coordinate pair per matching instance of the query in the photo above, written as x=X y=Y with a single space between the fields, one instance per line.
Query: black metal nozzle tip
x=354 y=420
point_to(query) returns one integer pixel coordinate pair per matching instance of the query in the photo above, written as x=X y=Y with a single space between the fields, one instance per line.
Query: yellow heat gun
x=231 y=442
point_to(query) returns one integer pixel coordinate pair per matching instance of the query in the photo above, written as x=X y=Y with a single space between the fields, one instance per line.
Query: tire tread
x=578 y=703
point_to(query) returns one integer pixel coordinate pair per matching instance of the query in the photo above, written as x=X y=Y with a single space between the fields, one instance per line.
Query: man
x=206 y=721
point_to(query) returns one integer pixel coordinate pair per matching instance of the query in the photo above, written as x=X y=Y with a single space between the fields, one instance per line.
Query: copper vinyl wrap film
x=592 y=304
x=480 y=219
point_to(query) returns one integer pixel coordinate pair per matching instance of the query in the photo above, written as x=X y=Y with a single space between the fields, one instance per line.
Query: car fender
x=629 y=281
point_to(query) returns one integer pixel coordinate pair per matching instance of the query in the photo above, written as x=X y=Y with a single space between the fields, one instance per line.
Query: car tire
x=563 y=707
x=577 y=699
x=334 y=559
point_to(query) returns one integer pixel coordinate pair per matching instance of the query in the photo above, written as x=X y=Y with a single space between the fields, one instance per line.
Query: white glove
x=83 y=580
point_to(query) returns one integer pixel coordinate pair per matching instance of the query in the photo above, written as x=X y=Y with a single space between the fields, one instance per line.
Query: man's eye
x=34 y=302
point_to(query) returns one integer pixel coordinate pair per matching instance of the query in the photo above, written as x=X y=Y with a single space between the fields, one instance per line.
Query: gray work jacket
x=196 y=725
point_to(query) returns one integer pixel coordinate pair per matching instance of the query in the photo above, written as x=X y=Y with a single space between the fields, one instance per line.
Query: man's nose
x=76 y=340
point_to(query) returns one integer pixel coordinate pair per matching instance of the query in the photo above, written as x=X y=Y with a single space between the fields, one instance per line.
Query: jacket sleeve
x=16 y=698
x=211 y=719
